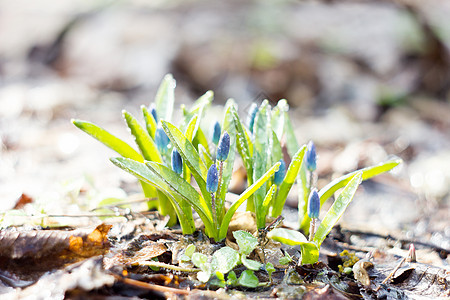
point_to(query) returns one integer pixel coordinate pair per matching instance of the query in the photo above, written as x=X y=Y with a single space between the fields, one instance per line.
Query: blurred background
x=364 y=79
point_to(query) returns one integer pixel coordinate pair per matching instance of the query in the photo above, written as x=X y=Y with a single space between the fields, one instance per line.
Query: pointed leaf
x=250 y=264
x=108 y=139
x=289 y=179
x=142 y=138
x=150 y=123
x=248 y=279
x=244 y=196
x=337 y=209
x=165 y=98
x=189 y=154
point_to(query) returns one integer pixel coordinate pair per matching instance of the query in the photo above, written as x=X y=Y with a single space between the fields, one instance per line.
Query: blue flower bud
x=212 y=179
x=311 y=157
x=153 y=112
x=251 y=116
x=177 y=162
x=216 y=133
x=313 y=204
x=224 y=147
x=161 y=139
x=279 y=175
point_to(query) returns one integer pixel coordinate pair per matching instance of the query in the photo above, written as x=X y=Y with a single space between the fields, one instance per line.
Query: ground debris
x=26 y=255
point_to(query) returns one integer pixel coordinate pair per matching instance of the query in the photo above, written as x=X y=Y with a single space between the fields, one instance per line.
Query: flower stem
x=312 y=228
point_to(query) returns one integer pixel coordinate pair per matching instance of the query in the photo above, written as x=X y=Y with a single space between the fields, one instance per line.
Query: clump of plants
x=170 y=155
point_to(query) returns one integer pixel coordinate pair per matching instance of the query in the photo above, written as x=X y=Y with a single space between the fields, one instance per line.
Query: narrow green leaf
x=289 y=179
x=197 y=108
x=142 y=138
x=227 y=125
x=338 y=208
x=278 y=117
x=108 y=139
x=192 y=127
x=206 y=158
x=244 y=196
x=190 y=156
x=291 y=141
x=261 y=158
x=326 y=192
x=200 y=139
x=165 y=98
x=277 y=152
x=243 y=146
x=367 y=173
x=268 y=199
x=150 y=123
x=179 y=185
x=143 y=173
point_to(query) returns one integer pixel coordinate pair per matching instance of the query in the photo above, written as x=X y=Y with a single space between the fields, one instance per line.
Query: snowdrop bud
x=212 y=179
x=161 y=139
x=224 y=147
x=279 y=175
x=313 y=204
x=216 y=133
x=177 y=162
x=251 y=116
x=311 y=157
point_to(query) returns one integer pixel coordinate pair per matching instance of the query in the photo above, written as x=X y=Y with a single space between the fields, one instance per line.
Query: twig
x=152 y=287
x=391 y=274
x=166 y=266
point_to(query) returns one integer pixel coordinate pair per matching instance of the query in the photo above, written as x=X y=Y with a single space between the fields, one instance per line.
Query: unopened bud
x=177 y=162
x=224 y=147
x=216 y=133
x=311 y=157
x=279 y=175
x=212 y=179
x=314 y=204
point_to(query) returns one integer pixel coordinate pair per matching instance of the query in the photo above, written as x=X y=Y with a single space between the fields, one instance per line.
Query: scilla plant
x=170 y=155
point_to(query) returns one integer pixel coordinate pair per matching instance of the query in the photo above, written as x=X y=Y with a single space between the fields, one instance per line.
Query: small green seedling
x=187 y=256
x=285 y=260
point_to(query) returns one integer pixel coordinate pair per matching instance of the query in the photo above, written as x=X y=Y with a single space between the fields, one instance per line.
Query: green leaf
x=261 y=159
x=143 y=140
x=165 y=98
x=278 y=117
x=244 y=196
x=338 y=208
x=326 y=192
x=144 y=174
x=289 y=179
x=367 y=173
x=232 y=279
x=184 y=189
x=287 y=236
x=206 y=158
x=310 y=253
x=291 y=141
x=248 y=279
x=227 y=258
x=228 y=125
x=190 y=249
x=268 y=199
x=250 y=264
x=246 y=241
x=108 y=139
x=150 y=123
x=285 y=259
x=199 y=105
x=200 y=139
x=277 y=152
x=189 y=154
x=243 y=146
x=192 y=127
x=200 y=260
